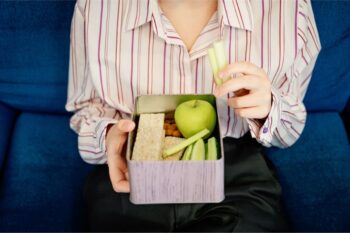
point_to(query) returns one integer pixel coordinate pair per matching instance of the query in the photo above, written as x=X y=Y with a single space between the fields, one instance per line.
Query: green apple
x=193 y=116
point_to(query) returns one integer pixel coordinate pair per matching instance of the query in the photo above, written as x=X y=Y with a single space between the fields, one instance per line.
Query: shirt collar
x=236 y=13
x=138 y=12
x=233 y=13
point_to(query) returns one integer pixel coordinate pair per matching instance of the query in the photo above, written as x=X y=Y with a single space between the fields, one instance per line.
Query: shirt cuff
x=263 y=132
x=97 y=153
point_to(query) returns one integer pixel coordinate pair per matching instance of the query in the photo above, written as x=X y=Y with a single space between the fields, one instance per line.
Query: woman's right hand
x=115 y=140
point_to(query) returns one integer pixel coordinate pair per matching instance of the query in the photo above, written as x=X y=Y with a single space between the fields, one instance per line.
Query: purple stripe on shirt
x=99 y=50
x=132 y=65
x=164 y=67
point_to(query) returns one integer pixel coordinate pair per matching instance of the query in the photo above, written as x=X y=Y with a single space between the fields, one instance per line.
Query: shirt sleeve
x=287 y=117
x=92 y=114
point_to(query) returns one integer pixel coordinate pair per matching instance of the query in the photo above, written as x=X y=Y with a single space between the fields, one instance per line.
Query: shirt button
x=265 y=130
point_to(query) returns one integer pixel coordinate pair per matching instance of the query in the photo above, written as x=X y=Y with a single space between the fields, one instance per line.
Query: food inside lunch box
x=184 y=134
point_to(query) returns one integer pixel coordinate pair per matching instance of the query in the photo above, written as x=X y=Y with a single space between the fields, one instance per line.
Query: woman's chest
x=128 y=63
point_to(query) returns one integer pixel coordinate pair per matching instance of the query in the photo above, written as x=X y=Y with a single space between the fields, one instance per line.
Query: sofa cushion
x=315 y=176
x=330 y=84
x=34 y=45
x=41 y=186
x=7 y=119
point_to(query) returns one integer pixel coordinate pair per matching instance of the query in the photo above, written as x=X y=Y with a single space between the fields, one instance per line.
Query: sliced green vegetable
x=212 y=152
x=206 y=149
x=221 y=59
x=198 y=151
x=214 y=66
x=220 y=54
x=188 y=152
x=182 y=145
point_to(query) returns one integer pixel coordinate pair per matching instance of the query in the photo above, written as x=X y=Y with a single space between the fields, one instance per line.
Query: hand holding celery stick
x=252 y=89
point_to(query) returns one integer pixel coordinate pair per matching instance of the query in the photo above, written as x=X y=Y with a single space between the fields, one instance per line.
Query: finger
x=123 y=186
x=249 y=100
x=117 y=165
x=119 y=182
x=246 y=68
x=125 y=126
x=242 y=92
x=116 y=144
x=248 y=82
x=253 y=113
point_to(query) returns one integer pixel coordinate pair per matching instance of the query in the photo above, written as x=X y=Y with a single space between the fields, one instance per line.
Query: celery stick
x=221 y=60
x=214 y=65
x=220 y=54
x=182 y=145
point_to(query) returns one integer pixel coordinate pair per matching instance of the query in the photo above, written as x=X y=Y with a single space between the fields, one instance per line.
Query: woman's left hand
x=252 y=90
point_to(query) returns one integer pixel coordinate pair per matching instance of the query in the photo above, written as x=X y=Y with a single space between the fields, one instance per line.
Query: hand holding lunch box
x=155 y=142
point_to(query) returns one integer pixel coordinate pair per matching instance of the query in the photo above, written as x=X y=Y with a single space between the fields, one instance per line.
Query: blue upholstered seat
x=42 y=175
x=7 y=120
x=41 y=184
x=315 y=175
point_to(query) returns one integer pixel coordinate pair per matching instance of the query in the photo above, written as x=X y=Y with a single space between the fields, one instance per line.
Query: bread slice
x=149 y=138
x=172 y=141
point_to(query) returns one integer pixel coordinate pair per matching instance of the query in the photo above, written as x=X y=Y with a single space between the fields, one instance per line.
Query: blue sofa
x=42 y=175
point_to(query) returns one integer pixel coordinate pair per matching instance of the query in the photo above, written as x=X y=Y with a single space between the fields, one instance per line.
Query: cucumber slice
x=188 y=152
x=212 y=152
x=198 y=151
x=206 y=149
x=182 y=145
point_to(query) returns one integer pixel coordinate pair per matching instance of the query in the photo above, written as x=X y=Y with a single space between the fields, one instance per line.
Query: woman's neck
x=193 y=4
x=188 y=17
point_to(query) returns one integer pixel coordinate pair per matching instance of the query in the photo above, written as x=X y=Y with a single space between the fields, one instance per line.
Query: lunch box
x=162 y=182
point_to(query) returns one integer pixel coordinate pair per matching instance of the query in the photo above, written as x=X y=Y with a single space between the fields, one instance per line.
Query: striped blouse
x=121 y=49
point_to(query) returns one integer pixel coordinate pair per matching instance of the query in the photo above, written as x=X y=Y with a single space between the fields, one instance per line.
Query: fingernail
x=129 y=126
x=126 y=126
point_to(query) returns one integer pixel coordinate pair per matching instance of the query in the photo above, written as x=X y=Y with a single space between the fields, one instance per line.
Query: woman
x=124 y=48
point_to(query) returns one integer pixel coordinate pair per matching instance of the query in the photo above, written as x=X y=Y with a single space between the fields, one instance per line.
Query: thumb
x=125 y=126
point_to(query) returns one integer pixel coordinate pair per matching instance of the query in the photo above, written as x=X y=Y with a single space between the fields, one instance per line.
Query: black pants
x=252 y=200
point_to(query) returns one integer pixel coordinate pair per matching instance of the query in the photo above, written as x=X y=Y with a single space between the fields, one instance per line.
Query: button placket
x=188 y=73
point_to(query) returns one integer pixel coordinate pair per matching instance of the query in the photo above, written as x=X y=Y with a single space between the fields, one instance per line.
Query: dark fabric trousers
x=252 y=200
